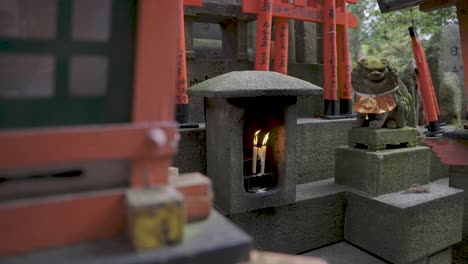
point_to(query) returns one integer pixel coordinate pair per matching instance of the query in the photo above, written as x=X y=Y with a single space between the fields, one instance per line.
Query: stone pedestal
x=380 y=139
x=381 y=172
x=398 y=167
x=382 y=216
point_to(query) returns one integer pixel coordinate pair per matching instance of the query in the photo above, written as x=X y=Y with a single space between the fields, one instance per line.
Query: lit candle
x=263 y=155
x=255 y=151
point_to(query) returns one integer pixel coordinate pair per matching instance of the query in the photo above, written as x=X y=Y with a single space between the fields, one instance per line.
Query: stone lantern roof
x=253 y=83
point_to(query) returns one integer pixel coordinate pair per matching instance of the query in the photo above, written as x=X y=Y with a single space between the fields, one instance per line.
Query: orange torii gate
x=335 y=19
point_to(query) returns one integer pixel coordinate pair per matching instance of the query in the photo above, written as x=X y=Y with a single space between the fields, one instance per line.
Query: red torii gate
x=335 y=19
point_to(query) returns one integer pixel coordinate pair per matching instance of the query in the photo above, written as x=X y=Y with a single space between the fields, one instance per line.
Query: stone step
x=345 y=253
x=314 y=220
x=405 y=228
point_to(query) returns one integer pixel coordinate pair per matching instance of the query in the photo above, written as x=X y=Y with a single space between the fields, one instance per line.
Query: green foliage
x=386 y=35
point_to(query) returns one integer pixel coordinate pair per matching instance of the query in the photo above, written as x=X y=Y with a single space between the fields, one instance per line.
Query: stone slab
x=403 y=228
x=315 y=219
x=344 y=253
x=382 y=172
x=214 y=240
x=380 y=139
x=443 y=257
x=458 y=178
x=253 y=83
x=315 y=148
x=262 y=257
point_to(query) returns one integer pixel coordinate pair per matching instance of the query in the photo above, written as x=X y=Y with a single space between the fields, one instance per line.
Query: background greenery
x=386 y=35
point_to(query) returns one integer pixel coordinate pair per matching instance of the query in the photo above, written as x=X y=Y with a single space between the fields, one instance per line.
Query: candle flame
x=256 y=137
x=265 y=139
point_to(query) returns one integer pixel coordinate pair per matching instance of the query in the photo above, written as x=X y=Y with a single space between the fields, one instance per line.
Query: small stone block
x=380 y=139
x=405 y=228
x=155 y=217
x=382 y=172
x=190 y=54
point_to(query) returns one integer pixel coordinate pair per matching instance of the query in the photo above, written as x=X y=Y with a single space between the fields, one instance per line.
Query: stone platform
x=383 y=138
x=405 y=228
x=214 y=240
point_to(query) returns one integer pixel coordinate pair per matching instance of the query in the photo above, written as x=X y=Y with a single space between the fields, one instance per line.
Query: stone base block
x=382 y=172
x=459 y=179
x=315 y=148
x=314 y=220
x=405 y=228
x=380 y=139
x=155 y=217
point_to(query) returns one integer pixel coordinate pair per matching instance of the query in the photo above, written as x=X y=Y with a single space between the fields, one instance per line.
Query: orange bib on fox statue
x=379 y=95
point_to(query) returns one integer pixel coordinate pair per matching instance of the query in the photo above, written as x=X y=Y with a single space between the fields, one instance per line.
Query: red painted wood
x=158 y=37
x=344 y=67
x=308 y=13
x=462 y=13
x=281 y=46
x=181 y=96
x=263 y=36
x=26 y=226
x=329 y=51
x=450 y=151
x=25 y=148
x=424 y=80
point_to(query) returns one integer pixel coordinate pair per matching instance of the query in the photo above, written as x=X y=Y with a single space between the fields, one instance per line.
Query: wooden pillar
x=462 y=13
x=263 y=36
x=155 y=71
x=188 y=26
x=344 y=67
x=242 y=42
x=281 y=45
x=329 y=58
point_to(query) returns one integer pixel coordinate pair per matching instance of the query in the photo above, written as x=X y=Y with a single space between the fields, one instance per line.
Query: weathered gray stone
x=225 y=152
x=253 y=83
x=214 y=240
x=206 y=30
x=381 y=172
x=191 y=155
x=217 y=11
x=450 y=98
x=379 y=139
x=315 y=149
x=459 y=179
x=403 y=228
x=314 y=220
x=450 y=57
x=344 y=253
